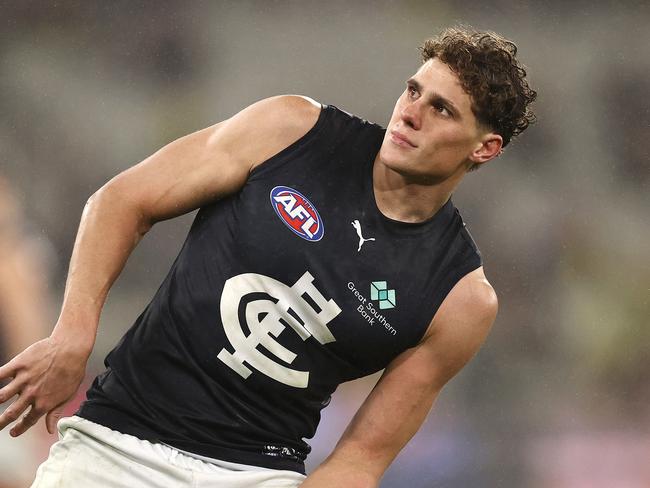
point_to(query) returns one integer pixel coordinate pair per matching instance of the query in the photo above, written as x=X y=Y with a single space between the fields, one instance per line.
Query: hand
x=45 y=376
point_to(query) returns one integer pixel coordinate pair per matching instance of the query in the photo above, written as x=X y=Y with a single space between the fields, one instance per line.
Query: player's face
x=432 y=132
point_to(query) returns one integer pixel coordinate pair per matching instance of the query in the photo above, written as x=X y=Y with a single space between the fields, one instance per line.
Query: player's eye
x=439 y=107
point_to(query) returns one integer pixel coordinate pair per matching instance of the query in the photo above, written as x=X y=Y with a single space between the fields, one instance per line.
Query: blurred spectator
x=24 y=319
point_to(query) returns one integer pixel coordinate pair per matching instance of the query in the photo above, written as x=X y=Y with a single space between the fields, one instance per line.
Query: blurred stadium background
x=559 y=395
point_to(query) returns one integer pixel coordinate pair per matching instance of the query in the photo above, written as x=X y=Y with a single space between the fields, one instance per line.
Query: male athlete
x=326 y=248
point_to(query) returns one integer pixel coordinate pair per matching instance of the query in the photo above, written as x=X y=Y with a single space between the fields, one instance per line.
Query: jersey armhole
x=443 y=290
x=279 y=159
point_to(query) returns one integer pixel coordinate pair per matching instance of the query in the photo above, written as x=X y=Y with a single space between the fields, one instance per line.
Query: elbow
x=105 y=195
x=112 y=200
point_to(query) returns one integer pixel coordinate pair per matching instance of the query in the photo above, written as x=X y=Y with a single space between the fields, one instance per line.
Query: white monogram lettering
x=266 y=319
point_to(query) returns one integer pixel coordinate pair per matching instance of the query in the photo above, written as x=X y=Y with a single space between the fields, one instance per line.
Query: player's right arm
x=182 y=176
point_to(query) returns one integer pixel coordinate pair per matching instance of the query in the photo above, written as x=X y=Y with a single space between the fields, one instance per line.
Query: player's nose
x=410 y=115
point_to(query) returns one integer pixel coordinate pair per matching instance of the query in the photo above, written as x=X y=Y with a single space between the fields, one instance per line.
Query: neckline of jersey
x=398 y=226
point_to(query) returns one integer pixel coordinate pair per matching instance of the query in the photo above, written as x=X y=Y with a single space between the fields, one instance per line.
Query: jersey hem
x=125 y=425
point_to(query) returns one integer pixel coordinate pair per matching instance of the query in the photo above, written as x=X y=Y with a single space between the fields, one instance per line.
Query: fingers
x=8 y=370
x=14 y=411
x=53 y=418
x=13 y=388
x=26 y=421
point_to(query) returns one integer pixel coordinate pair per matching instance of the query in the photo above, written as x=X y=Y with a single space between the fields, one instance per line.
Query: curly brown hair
x=489 y=72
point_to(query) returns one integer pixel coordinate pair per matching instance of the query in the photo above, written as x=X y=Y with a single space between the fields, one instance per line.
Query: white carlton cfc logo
x=264 y=320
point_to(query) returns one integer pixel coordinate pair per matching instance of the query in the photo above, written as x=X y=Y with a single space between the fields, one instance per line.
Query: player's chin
x=397 y=158
x=414 y=170
x=406 y=167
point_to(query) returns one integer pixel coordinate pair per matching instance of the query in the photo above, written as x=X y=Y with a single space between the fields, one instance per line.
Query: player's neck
x=407 y=200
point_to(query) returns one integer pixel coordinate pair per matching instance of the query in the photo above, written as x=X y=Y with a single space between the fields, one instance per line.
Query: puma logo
x=357 y=225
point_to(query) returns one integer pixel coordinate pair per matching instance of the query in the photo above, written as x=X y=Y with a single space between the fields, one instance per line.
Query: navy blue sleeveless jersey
x=280 y=292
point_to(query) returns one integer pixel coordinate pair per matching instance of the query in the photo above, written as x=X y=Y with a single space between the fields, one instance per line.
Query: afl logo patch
x=297 y=213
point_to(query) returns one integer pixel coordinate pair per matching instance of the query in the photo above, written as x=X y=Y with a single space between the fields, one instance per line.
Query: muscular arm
x=402 y=398
x=182 y=176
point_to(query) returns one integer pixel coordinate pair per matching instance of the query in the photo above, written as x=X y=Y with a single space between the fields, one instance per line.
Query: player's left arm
x=402 y=398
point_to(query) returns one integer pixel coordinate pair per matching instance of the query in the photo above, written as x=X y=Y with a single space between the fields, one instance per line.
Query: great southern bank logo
x=297 y=213
x=379 y=291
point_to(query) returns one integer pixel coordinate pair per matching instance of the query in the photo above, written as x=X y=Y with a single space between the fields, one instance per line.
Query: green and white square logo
x=379 y=291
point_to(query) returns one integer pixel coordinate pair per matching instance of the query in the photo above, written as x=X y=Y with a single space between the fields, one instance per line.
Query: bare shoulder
x=297 y=111
x=294 y=114
x=461 y=324
x=264 y=128
x=472 y=299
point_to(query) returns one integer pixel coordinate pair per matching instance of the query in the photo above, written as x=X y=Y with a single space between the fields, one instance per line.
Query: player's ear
x=487 y=148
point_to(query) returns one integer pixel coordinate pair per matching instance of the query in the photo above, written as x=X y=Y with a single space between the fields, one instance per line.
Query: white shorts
x=89 y=455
